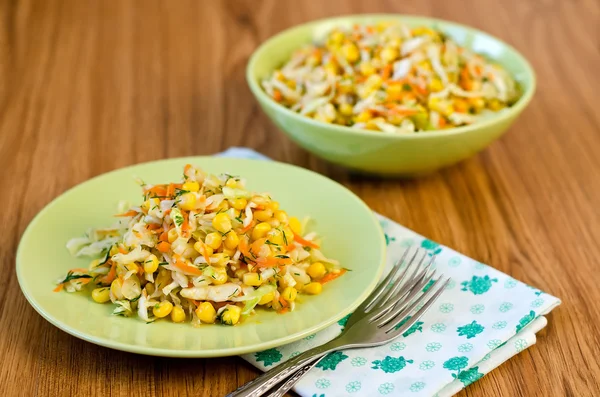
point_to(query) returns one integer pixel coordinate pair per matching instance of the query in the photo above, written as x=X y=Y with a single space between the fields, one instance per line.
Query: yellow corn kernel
x=289 y=294
x=231 y=182
x=239 y=273
x=478 y=103
x=115 y=288
x=187 y=201
x=350 y=52
x=276 y=237
x=222 y=223
x=232 y=240
x=221 y=258
x=239 y=203
x=228 y=252
x=178 y=314
x=101 y=295
x=163 y=279
x=281 y=216
x=316 y=270
x=295 y=225
x=394 y=90
x=260 y=230
x=313 y=288
x=495 y=105
x=336 y=37
x=274 y=205
x=150 y=203
x=203 y=248
x=231 y=315
x=436 y=85
x=389 y=54
x=252 y=279
x=346 y=109
x=220 y=276
x=94 y=264
x=213 y=240
x=149 y=287
x=363 y=117
x=426 y=65
x=114 y=250
x=172 y=235
x=274 y=223
x=162 y=309
x=288 y=235
x=366 y=68
x=263 y=215
x=266 y=298
x=191 y=186
x=206 y=313
x=151 y=264
x=461 y=105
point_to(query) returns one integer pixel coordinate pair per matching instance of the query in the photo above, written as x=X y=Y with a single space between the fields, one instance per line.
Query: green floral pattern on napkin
x=482 y=319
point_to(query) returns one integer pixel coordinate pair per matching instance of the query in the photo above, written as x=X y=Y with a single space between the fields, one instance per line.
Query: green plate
x=350 y=233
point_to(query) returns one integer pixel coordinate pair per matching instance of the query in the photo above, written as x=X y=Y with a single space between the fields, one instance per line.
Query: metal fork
x=376 y=300
x=382 y=317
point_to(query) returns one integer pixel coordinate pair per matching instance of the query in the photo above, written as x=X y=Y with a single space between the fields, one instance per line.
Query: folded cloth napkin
x=482 y=319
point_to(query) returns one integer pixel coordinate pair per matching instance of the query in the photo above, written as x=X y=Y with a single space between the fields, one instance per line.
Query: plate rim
x=182 y=353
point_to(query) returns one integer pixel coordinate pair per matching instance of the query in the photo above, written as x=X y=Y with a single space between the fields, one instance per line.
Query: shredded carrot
x=123 y=250
x=304 y=242
x=442 y=122
x=111 y=275
x=282 y=301
x=185 y=227
x=244 y=248
x=272 y=261
x=205 y=252
x=277 y=95
x=158 y=190
x=196 y=303
x=163 y=236
x=283 y=311
x=79 y=270
x=386 y=72
x=246 y=228
x=187 y=168
x=128 y=213
x=290 y=247
x=331 y=276
x=187 y=268
x=170 y=190
x=257 y=245
x=59 y=288
x=137 y=234
x=403 y=111
x=153 y=226
x=163 y=246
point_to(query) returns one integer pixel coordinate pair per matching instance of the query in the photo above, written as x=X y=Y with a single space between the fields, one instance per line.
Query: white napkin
x=482 y=319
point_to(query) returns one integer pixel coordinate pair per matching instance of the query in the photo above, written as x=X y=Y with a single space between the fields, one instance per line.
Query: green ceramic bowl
x=350 y=232
x=382 y=153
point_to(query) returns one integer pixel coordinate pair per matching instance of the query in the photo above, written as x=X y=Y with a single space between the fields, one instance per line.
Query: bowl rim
x=513 y=111
x=40 y=308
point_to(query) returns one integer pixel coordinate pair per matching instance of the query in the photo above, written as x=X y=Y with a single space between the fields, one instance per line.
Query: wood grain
x=88 y=87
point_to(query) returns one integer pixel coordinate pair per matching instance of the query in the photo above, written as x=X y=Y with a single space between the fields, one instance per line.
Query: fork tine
x=399 y=282
x=383 y=285
x=397 y=303
x=412 y=284
x=398 y=319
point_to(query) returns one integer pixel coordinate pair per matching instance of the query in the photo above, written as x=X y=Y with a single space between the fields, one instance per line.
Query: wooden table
x=86 y=88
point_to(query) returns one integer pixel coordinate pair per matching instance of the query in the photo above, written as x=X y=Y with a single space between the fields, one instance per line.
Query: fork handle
x=267 y=380
x=295 y=378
